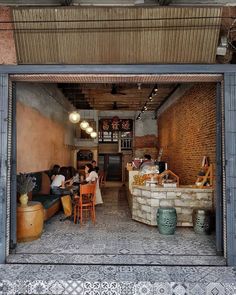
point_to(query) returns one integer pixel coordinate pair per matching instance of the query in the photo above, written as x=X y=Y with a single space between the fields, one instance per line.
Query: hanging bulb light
x=93 y=134
x=89 y=130
x=84 y=124
x=74 y=117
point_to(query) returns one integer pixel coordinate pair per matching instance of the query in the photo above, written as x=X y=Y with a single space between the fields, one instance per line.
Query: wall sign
x=116 y=124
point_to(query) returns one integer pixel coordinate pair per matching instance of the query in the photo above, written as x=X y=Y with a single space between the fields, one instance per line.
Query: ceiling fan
x=116 y=107
x=115 y=90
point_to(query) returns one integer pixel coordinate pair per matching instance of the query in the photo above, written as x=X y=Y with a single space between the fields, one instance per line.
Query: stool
x=202 y=221
x=166 y=220
x=29 y=221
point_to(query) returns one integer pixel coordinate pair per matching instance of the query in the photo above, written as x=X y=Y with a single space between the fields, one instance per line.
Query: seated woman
x=55 y=171
x=92 y=176
x=58 y=185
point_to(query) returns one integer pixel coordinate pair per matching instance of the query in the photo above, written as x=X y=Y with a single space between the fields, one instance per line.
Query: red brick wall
x=7 y=44
x=146 y=144
x=187 y=131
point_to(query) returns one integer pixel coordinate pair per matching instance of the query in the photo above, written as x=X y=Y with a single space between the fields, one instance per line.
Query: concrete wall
x=145 y=141
x=44 y=133
x=187 y=132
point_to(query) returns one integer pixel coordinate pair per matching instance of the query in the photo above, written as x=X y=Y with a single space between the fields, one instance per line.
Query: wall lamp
x=150 y=98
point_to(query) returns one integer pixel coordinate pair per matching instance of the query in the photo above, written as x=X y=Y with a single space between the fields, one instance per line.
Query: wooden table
x=29 y=221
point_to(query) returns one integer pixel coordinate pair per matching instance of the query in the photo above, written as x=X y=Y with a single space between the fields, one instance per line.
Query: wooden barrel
x=29 y=221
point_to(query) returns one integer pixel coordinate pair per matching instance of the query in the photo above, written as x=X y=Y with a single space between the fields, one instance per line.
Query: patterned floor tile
x=144 y=288
x=215 y=289
x=179 y=289
x=196 y=289
x=116 y=239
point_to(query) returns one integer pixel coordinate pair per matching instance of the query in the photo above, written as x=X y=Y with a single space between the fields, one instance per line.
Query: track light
x=138 y=117
x=150 y=98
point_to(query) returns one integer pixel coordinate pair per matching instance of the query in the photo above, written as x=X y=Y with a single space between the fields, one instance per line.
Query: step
x=120 y=259
x=111 y=279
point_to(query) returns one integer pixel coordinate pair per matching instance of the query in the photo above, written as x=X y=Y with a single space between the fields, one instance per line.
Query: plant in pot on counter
x=25 y=184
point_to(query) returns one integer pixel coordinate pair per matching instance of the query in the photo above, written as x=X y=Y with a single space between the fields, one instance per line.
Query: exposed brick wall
x=145 y=141
x=187 y=131
x=7 y=44
x=146 y=144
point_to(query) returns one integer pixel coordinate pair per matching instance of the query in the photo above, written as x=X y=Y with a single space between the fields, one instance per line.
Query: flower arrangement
x=25 y=183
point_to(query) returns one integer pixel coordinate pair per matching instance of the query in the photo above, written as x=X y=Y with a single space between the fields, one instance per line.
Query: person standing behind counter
x=91 y=176
x=147 y=161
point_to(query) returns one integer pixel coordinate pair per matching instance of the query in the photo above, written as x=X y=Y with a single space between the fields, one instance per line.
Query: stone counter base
x=146 y=201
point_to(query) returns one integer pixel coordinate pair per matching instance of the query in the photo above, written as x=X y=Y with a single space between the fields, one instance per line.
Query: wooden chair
x=85 y=203
x=101 y=178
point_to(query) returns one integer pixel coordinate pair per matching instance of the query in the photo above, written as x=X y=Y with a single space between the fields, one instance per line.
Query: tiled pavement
x=111 y=280
x=117 y=256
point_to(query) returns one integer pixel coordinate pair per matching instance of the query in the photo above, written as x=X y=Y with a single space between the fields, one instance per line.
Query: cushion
x=45 y=185
x=38 y=181
x=46 y=200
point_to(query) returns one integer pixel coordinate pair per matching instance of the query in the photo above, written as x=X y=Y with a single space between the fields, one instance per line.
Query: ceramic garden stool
x=166 y=220
x=202 y=221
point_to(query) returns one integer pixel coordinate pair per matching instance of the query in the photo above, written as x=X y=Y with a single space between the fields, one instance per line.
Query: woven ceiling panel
x=116 y=35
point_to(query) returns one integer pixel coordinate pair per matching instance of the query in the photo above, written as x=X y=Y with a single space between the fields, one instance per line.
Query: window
x=116 y=130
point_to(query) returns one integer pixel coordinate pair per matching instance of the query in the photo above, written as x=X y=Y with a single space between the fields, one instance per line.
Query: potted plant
x=25 y=184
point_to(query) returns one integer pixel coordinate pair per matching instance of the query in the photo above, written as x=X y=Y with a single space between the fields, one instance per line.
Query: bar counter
x=145 y=200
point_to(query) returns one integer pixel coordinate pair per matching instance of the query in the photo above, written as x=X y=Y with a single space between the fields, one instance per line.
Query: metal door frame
x=225 y=70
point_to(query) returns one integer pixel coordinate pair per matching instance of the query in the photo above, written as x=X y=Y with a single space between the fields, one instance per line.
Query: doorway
x=111 y=164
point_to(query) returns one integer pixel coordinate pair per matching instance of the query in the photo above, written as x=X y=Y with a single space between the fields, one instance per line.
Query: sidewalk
x=112 y=280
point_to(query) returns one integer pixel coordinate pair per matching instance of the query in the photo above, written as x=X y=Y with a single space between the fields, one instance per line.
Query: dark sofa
x=41 y=193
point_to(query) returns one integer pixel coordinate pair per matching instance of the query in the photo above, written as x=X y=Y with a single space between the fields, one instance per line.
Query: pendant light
x=93 y=134
x=89 y=130
x=74 y=117
x=84 y=124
